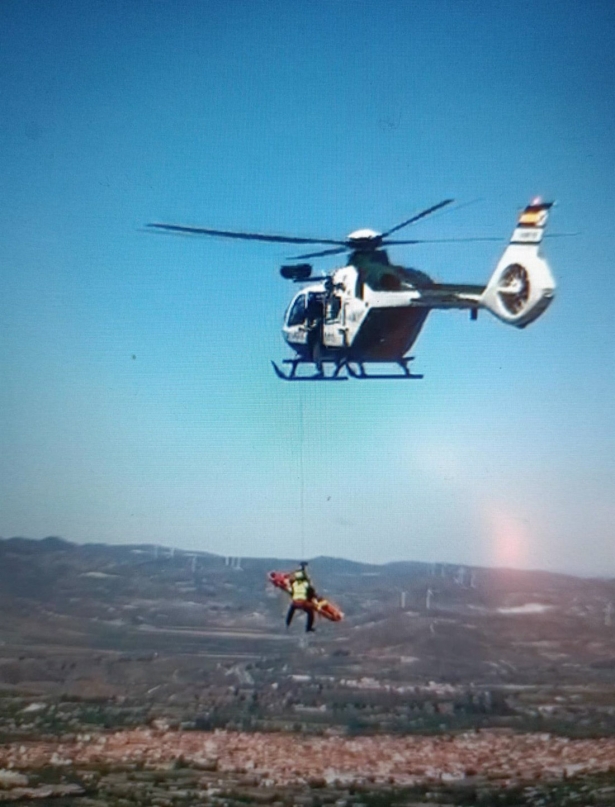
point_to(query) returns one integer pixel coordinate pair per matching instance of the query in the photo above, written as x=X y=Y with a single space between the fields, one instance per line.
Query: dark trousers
x=309 y=611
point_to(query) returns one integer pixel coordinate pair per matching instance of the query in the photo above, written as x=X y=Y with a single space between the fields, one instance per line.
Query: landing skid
x=354 y=369
x=405 y=375
x=318 y=376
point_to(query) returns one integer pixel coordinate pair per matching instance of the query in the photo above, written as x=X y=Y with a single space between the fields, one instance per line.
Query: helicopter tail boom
x=522 y=286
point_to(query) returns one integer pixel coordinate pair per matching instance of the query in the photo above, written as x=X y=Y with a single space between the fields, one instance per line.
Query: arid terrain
x=150 y=676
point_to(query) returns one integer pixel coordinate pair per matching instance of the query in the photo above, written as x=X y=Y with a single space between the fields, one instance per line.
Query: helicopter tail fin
x=522 y=286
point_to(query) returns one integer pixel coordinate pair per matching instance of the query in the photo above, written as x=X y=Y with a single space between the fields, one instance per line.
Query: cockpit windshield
x=296 y=315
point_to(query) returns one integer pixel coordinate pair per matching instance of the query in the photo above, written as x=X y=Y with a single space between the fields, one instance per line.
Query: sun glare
x=508 y=536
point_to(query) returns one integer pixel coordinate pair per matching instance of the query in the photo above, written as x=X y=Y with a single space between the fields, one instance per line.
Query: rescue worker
x=302 y=593
x=314 y=321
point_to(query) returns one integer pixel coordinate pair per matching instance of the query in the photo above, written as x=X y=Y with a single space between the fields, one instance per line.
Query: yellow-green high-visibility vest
x=300 y=589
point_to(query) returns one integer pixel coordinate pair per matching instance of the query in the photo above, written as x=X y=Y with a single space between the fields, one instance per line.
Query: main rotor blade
x=418 y=216
x=443 y=240
x=284 y=239
x=321 y=254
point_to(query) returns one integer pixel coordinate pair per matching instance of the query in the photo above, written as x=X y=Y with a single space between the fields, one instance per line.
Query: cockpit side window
x=333 y=308
x=296 y=315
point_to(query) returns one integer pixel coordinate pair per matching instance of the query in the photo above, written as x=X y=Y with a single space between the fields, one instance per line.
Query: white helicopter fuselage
x=379 y=325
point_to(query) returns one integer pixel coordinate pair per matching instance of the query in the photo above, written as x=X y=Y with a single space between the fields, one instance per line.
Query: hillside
x=201 y=637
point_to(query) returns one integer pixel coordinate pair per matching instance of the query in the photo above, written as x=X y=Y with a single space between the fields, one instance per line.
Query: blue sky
x=308 y=118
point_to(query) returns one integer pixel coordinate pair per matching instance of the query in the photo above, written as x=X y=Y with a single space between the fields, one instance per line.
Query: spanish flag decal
x=534 y=216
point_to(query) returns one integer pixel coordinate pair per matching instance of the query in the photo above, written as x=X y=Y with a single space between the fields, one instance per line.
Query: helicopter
x=371 y=311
